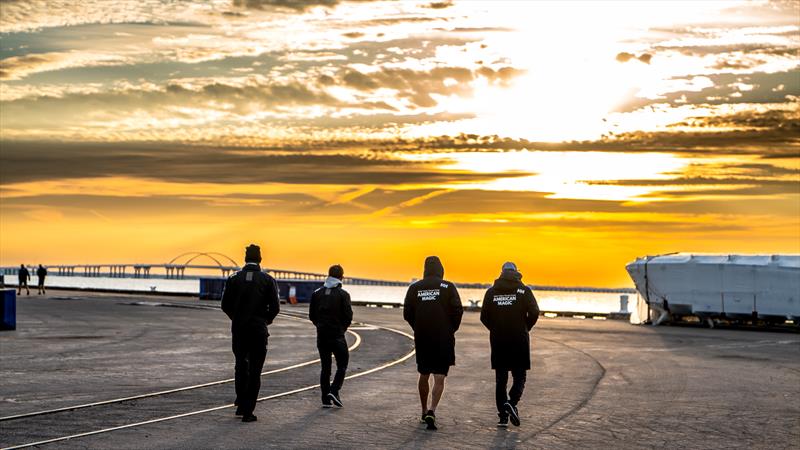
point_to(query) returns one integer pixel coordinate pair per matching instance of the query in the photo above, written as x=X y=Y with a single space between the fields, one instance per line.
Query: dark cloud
x=758 y=170
x=625 y=57
x=774 y=119
x=439 y=5
x=353 y=34
x=417 y=86
x=75 y=109
x=111 y=208
x=326 y=80
x=401 y=19
x=475 y=29
x=780 y=142
x=729 y=49
x=31 y=161
x=770 y=134
x=17 y=67
x=725 y=89
x=298 y=5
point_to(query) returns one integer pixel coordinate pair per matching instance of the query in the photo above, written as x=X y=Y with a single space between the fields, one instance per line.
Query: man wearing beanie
x=331 y=313
x=250 y=300
x=509 y=311
x=433 y=309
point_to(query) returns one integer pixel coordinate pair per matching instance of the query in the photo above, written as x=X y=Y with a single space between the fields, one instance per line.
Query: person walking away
x=41 y=273
x=330 y=311
x=433 y=309
x=23 y=276
x=250 y=299
x=509 y=311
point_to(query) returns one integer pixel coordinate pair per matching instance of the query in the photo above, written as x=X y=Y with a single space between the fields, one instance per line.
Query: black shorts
x=426 y=370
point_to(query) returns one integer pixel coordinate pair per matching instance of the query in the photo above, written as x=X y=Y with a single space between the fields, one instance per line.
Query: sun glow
x=568 y=175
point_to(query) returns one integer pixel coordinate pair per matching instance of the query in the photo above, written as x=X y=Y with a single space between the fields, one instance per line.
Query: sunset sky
x=569 y=137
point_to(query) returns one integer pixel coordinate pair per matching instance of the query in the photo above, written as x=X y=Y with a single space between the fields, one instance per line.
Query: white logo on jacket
x=504 y=299
x=428 y=295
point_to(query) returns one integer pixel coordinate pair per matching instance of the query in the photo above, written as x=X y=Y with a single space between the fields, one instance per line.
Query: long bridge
x=176 y=269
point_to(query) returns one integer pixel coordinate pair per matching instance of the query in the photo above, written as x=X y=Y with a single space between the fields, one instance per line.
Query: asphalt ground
x=594 y=384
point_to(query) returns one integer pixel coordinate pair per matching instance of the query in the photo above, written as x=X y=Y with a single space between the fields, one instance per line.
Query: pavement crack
x=582 y=403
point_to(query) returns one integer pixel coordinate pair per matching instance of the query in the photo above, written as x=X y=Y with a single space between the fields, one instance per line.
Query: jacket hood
x=509 y=279
x=433 y=267
x=332 y=282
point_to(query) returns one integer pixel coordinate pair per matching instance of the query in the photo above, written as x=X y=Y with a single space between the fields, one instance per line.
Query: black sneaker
x=249 y=418
x=422 y=418
x=513 y=413
x=430 y=419
x=327 y=404
x=335 y=400
x=503 y=422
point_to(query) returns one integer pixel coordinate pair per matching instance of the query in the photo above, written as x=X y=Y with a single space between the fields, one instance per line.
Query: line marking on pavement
x=355 y=345
x=217 y=408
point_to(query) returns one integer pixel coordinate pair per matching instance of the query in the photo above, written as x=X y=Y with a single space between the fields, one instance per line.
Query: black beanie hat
x=336 y=271
x=252 y=253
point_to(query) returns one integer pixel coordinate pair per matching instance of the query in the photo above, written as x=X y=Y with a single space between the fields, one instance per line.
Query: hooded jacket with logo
x=330 y=309
x=509 y=311
x=250 y=298
x=433 y=309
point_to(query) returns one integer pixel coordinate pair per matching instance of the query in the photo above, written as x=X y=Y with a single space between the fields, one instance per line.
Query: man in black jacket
x=509 y=311
x=250 y=300
x=41 y=272
x=23 y=275
x=433 y=309
x=331 y=313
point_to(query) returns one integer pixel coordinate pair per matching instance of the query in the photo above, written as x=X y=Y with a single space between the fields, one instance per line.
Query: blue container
x=9 y=310
x=303 y=289
x=211 y=288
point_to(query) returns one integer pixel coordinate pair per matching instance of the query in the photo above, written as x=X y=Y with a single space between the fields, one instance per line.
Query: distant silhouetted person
x=509 y=311
x=41 y=272
x=23 y=276
x=250 y=299
x=433 y=309
x=331 y=313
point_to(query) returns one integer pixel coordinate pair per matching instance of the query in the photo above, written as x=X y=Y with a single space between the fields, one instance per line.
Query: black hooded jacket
x=250 y=298
x=433 y=309
x=23 y=275
x=509 y=311
x=330 y=311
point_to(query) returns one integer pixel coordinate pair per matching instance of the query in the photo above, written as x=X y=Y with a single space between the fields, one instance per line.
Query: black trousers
x=336 y=346
x=517 y=386
x=250 y=350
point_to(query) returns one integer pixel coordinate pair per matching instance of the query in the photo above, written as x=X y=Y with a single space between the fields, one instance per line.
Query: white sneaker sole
x=335 y=402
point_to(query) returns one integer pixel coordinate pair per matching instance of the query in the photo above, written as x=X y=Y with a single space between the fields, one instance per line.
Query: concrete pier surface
x=594 y=384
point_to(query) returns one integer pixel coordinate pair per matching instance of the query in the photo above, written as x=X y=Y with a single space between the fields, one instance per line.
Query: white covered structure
x=731 y=286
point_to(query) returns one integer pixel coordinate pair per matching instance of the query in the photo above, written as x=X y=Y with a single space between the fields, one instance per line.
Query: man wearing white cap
x=509 y=311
